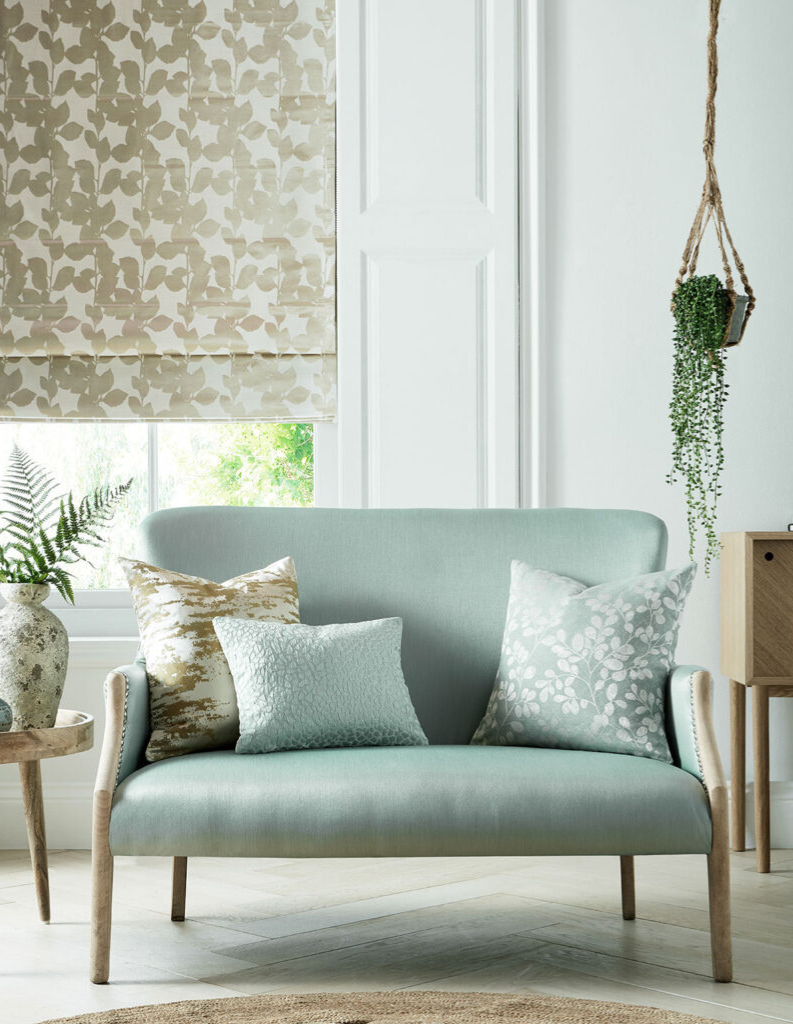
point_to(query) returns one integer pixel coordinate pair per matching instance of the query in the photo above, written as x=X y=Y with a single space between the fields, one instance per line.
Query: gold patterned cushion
x=191 y=692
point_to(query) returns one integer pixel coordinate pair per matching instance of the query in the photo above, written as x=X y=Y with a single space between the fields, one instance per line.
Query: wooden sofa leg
x=719 y=856
x=179 y=891
x=101 y=909
x=101 y=857
x=628 y=884
x=719 y=900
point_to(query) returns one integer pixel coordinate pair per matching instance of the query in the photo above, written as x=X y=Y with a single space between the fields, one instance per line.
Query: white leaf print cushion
x=585 y=667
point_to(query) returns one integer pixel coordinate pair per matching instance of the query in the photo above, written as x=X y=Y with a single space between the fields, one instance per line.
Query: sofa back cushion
x=444 y=572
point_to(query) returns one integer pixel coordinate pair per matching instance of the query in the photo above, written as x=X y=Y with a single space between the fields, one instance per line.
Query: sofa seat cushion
x=409 y=801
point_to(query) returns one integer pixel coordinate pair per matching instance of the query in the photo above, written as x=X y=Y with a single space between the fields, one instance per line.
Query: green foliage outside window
x=252 y=464
x=198 y=464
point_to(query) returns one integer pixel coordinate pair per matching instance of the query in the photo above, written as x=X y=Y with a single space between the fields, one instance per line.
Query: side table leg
x=30 y=774
x=738 y=764
x=762 y=810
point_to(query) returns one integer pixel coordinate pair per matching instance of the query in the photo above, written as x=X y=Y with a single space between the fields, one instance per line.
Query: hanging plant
x=709 y=318
x=702 y=311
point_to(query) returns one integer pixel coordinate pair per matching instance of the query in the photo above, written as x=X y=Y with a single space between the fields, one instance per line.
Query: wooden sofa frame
x=711 y=771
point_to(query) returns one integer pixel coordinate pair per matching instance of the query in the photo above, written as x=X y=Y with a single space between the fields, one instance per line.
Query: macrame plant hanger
x=711 y=209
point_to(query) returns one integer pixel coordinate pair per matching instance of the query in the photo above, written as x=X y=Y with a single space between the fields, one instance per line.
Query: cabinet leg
x=738 y=763
x=762 y=816
x=30 y=774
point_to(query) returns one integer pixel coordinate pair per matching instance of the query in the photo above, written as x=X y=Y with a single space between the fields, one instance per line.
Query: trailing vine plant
x=701 y=310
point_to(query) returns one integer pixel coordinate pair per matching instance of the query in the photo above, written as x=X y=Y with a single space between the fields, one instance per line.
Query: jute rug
x=390 y=1008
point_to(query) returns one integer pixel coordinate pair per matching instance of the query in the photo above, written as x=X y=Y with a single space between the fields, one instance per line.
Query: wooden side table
x=72 y=733
x=756 y=653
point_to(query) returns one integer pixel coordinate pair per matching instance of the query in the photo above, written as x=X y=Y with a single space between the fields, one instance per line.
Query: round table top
x=73 y=732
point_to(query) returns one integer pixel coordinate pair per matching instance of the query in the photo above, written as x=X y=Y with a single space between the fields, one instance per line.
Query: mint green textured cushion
x=301 y=687
x=586 y=667
x=436 y=801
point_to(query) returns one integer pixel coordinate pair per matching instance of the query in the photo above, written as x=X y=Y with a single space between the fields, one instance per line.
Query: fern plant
x=699 y=391
x=42 y=530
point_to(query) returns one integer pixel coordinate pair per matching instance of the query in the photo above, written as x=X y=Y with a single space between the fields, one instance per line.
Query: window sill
x=92 y=599
x=102 y=652
x=96 y=614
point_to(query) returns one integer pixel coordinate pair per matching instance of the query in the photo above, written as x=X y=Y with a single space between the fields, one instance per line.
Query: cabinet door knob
x=769 y=556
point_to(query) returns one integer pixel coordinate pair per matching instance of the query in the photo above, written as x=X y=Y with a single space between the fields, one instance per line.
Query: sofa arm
x=126 y=725
x=689 y=724
x=681 y=726
x=126 y=734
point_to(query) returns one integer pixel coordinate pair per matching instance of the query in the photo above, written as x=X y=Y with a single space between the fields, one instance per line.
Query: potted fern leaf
x=42 y=532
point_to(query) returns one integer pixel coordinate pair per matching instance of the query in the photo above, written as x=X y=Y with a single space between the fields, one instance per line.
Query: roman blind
x=167 y=220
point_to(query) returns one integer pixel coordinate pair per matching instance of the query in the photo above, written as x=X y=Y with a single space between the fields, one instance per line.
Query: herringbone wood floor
x=551 y=925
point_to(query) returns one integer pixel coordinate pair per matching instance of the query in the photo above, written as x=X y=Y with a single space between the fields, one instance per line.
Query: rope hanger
x=710 y=207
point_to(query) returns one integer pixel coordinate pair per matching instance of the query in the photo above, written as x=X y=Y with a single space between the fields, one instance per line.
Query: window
x=170 y=464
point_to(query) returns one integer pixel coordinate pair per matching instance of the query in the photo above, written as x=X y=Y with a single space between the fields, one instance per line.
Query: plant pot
x=735 y=327
x=34 y=653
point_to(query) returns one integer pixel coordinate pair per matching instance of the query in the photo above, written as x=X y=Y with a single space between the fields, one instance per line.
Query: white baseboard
x=68 y=782
x=67 y=815
x=67 y=808
x=781 y=816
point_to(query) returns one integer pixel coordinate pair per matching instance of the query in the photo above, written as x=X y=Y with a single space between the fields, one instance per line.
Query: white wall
x=624 y=113
x=625 y=98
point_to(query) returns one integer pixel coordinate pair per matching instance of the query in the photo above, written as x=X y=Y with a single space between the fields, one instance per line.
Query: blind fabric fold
x=167 y=224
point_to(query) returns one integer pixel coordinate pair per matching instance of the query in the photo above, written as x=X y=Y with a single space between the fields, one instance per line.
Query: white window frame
x=114 y=599
x=109 y=613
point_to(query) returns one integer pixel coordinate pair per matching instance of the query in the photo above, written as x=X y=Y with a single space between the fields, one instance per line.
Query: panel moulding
x=483 y=75
x=484 y=340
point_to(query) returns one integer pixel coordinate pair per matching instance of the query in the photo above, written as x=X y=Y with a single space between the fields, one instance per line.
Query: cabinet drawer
x=772 y=608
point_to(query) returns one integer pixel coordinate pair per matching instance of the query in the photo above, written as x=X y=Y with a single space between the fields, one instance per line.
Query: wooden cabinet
x=756 y=652
x=757 y=608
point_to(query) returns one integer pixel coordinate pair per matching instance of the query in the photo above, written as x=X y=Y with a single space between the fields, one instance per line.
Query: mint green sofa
x=446 y=573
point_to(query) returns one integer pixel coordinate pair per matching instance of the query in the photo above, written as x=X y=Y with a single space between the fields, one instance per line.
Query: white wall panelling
x=428 y=253
x=532 y=198
x=428 y=233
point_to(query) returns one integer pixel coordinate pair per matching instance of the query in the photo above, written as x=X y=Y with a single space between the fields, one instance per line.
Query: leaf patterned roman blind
x=167 y=221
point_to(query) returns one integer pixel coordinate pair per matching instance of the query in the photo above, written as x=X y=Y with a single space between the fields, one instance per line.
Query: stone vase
x=34 y=653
